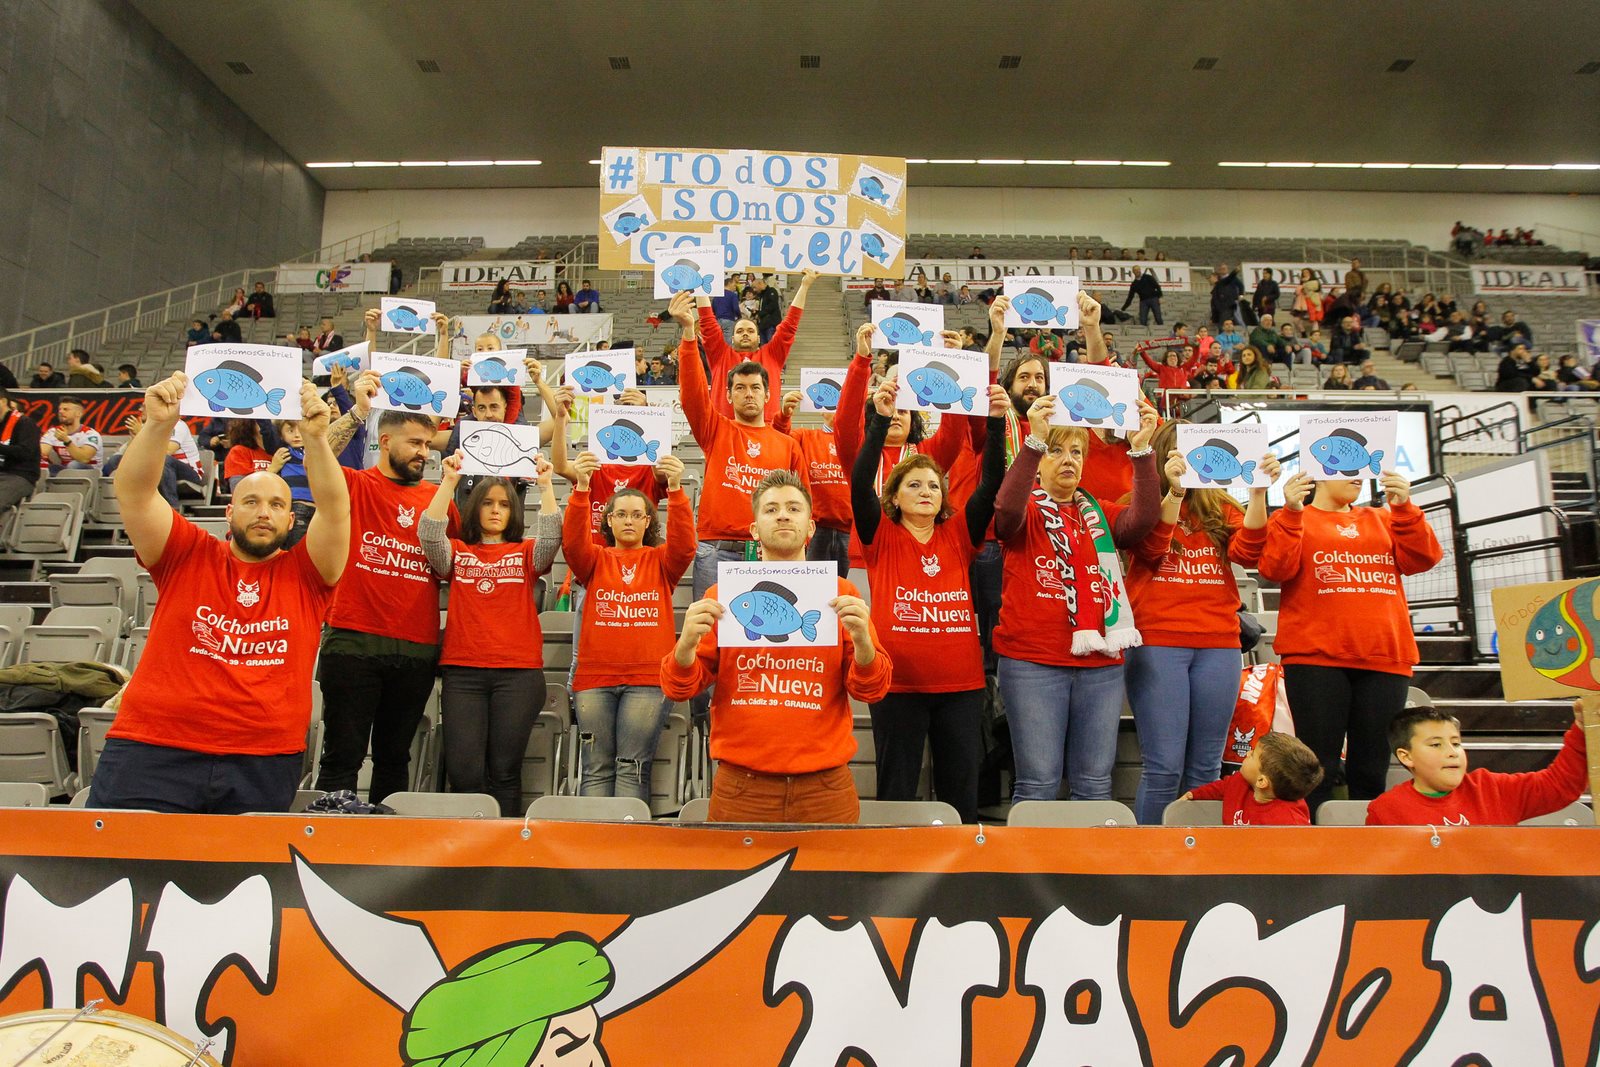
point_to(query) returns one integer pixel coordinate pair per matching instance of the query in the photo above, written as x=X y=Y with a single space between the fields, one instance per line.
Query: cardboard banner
x=523 y=274
x=1544 y=280
x=774 y=211
x=332 y=278
x=1287 y=275
x=951 y=945
x=524 y=331
x=1097 y=274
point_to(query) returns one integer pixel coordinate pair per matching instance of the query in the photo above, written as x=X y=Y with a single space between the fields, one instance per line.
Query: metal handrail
x=1514 y=420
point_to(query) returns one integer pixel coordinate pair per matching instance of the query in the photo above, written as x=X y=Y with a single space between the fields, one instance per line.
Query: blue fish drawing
x=625 y=439
x=824 y=392
x=496 y=447
x=872 y=245
x=408 y=388
x=1345 y=452
x=902 y=329
x=596 y=377
x=768 y=610
x=494 y=369
x=232 y=386
x=1088 y=401
x=1037 y=309
x=628 y=224
x=684 y=276
x=342 y=359
x=1217 y=462
x=873 y=189
x=937 y=385
x=407 y=319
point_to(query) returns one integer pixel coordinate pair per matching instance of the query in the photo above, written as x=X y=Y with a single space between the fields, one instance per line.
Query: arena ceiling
x=1100 y=80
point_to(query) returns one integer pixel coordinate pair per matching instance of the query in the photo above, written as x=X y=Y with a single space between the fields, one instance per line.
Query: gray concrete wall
x=123 y=170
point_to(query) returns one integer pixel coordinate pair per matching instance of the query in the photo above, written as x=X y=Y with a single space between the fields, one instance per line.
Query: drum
x=103 y=1039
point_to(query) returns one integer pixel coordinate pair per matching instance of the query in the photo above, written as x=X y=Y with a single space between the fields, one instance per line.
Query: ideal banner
x=1099 y=274
x=1287 y=275
x=522 y=274
x=526 y=331
x=1588 y=342
x=383 y=941
x=769 y=211
x=333 y=278
x=1543 y=280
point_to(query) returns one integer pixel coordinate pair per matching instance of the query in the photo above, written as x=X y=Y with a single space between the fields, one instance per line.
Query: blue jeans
x=617 y=731
x=727 y=329
x=1183 y=700
x=1052 y=707
x=707 y=554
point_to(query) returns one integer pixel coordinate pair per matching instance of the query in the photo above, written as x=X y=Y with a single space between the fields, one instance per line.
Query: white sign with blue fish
x=502 y=449
x=593 y=374
x=628 y=218
x=1348 y=444
x=417 y=383
x=877 y=186
x=403 y=314
x=1041 y=301
x=243 y=381
x=354 y=360
x=777 y=605
x=1225 y=455
x=1091 y=394
x=943 y=379
x=880 y=250
x=630 y=435
x=820 y=388
x=900 y=323
x=507 y=366
x=693 y=270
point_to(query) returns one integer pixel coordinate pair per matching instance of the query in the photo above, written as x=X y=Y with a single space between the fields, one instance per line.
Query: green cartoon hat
x=493 y=1010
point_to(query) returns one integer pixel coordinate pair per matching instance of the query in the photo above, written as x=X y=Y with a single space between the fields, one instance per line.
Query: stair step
x=1443 y=681
x=1480 y=715
x=1442 y=648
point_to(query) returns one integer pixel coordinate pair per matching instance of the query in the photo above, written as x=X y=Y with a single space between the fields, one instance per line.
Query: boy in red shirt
x=1443 y=793
x=1270 y=787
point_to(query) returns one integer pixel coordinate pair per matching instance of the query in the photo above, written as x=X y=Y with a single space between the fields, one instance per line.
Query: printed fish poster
x=503 y=449
x=353 y=359
x=943 y=379
x=1348 y=444
x=1042 y=301
x=898 y=323
x=242 y=381
x=877 y=186
x=695 y=270
x=1223 y=455
x=504 y=367
x=777 y=605
x=820 y=387
x=630 y=435
x=879 y=245
x=1095 y=395
x=602 y=373
x=403 y=314
x=628 y=218
x=417 y=383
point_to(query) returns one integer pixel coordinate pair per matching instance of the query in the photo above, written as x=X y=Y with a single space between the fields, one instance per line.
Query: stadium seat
x=102 y=580
x=133 y=647
x=1342 y=813
x=1192 y=813
x=590 y=809
x=1575 y=814
x=907 y=813
x=145 y=601
x=444 y=805
x=1070 y=813
x=23 y=795
x=72 y=633
x=47 y=527
x=31 y=751
x=93 y=724
x=80 y=799
x=14 y=618
x=548 y=762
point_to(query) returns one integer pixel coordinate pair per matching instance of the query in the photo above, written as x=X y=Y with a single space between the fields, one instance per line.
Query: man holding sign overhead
x=747 y=345
x=780 y=719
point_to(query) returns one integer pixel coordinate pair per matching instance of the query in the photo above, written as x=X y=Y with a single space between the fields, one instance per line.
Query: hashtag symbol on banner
x=621 y=170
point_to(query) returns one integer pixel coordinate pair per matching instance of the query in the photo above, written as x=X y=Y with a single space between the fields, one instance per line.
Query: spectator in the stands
x=945 y=293
x=1253 y=372
x=1510 y=331
x=1046 y=345
x=19 y=453
x=1369 y=377
x=1355 y=282
x=301 y=339
x=1146 y=288
x=923 y=292
x=964 y=296
x=198 y=333
x=1338 y=377
x=70 y=444
x=327 y=339
x=540 y=304
x=1265 y=299
x=237 y=305
x=877 y=292
x=260 y=303
x=1229 y=337
x=659 y=373
x=47 y=377
x=725 y=307
x=976 y=253
x=1298 y=347
x=81 y=373
x=1517 y=372
x=771 y=311
x=1386 y=316
x=1457 y=331
x=128 y=377
x=1266 y=339
x=1226 y=291
x=500 y=299
x=1347 y=345
x=247 y=453
x=588 y=299
x=1308 y=296
x=906 y=291
x=1318 y=345
x=225 y=330
x=1573 y=377
x=565 y=299
x=1545 y=375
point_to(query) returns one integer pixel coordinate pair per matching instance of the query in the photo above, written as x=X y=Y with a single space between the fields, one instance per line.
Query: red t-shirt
x=604 y=483
x=227 y=669
x=242 y=460
x=830 y=484
x=1107 y=470
x=772 y=355
x=1485 y=798
x=388 y=587
x=1241 y=808
x=1182 y=589
x=922 y=607
x=493 y=619
x=627 y=611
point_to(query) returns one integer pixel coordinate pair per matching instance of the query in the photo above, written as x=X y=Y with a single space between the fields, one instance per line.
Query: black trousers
x=903 y=722
x=374 y=702
x=1345 y=708
x=488 y=717
x=132 y=774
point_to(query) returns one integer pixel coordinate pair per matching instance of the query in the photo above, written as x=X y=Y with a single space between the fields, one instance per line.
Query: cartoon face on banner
x=505 y=367
x=595 y=374
x=1088 y=394
x=1549 y=639
x=1349 y=444
x=689 y=270
x=245 y=381
x=819 y=388
x=900 y=323
x=1222 y=455
x=354 y=360
x=777 y=605
x=630 y=435
x=1047 y=302
x=943 y=379
x=399 y=314
x=417 y=383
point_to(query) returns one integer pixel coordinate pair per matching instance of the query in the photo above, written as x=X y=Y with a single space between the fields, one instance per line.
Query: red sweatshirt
x=1168 y=377
x=1241 y=808
x=1107 y=470
x=1183 y=591
x=611 y=477
x=781 y=710
x=1342 y=603
x=772 y=355
x=1486 y=798
x=737 y=456
x=830 y=487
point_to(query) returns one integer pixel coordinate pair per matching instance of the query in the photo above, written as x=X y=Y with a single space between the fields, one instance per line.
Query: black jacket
x=1265 y=300
x=771 y=312
x=21 y=456
x=1144 y=287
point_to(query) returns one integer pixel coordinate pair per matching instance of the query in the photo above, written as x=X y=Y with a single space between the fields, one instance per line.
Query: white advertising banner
x=332 y=278
x=1096 y=274
x=1287 y=275
x=523 y=274
x=525 y=331
x=1544 y=280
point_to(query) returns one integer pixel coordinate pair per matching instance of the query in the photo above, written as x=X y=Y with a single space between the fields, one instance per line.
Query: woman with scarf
x=1065 y=619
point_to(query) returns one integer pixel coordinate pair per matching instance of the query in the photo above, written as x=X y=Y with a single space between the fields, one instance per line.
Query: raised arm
x=681 y=543
x=865 y=506
x=547 y=531
x=997 y=331
x=1094 y=341
x=433 y=528
x=559 y=414
x=145 y=515
x=328 y=537
x=441 y=329
x=848 y=419
x=694 y=393
x=980 y=506
x=342 y=429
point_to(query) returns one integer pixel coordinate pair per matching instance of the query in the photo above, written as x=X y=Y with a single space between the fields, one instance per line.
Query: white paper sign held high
x=595 y=374
x=503 y=449
x=402 y=314
x=694 y=270
x=899 y=323
x=777 y=606
x=943 y=379
x=630 y=435
x=1093 y=394
x=504 y=367
x=1048 y=301
x=819 y=388
x=1347 y=444
x=417 y=383
x=1224 y=454
x=246 y=381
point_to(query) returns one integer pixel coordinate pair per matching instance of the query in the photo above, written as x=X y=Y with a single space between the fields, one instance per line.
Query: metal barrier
x=1477 y=561
x=1570 y=444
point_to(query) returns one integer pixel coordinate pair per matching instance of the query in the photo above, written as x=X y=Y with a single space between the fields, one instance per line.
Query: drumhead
x=104 y=1039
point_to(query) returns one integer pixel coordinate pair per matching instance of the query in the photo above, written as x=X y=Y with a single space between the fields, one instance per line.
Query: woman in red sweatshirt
x=1177 y=365
x=1344 y=630
x=627 y=624
x=1183 y=681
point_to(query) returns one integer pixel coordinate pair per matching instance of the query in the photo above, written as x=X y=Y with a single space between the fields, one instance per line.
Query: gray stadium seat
x=548 y=764
x=590 y=809
x=14 y=618
x=23 y=795
x=444 y=805
x=1575 y=814
x=101 y=580
x=1192 y=813
x=47 y=526
x=1070 y=813
x=93 y=724
x=31 y=751
x=73 y=632
x=1342 y=813
x=907 y=813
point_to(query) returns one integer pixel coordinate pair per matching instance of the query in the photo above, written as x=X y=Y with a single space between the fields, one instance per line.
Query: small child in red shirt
x=1270 y=787
x=1442 y=792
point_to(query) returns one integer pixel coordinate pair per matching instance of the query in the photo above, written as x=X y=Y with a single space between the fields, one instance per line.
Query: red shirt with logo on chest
x=1034 y=621
x=493 y=620
x=1241 y=808
x=227 y=669
x=1182 y=589
x=388 y=587
x=922 y=607
x=614 y=476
